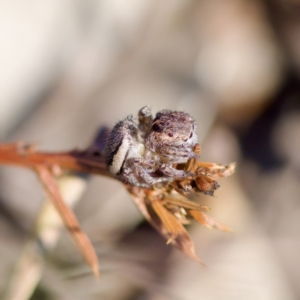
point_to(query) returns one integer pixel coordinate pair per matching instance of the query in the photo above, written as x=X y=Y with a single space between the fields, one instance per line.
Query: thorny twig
x=165 y=206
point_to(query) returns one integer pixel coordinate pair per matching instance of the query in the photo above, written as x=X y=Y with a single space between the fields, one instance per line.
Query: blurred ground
x=68 y=67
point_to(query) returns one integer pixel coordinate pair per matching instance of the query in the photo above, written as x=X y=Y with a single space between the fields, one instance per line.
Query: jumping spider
x=143 y=152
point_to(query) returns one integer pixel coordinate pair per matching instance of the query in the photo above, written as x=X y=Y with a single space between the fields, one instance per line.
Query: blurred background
x=68 y=67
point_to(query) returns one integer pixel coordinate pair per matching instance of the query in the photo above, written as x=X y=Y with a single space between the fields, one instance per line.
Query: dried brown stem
x=167 y=207
x=69 y=219
x=26 y=156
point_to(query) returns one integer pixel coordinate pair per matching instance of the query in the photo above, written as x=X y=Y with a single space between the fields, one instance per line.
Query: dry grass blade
x=69 y=219
x=178 y=200
x=184 y=243
x=173 y=226
x=207 y=220
x=155 y=213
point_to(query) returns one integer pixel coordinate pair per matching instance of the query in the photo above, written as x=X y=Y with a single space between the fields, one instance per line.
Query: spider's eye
x=156 y=128
x=170 y=134
x=191 y=135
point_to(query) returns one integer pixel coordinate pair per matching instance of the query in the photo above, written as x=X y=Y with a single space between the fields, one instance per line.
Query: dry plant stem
x=69 y=219
x=25 y=156
x=30 y=264
x=45 y=164
x=166 y=207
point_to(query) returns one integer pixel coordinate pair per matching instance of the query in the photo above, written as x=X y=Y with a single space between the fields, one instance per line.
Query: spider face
x=172 y=135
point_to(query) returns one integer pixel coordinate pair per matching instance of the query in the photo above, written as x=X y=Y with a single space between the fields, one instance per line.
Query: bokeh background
x=68 y=67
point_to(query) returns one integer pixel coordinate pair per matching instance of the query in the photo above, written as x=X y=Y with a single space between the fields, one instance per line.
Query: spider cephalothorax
x=142 y=152
x=172 y=136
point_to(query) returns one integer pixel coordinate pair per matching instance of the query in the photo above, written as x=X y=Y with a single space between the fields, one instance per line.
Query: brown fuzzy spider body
x=142 y=152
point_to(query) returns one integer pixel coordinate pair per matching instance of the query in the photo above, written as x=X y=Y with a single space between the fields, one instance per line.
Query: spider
x=143 y=151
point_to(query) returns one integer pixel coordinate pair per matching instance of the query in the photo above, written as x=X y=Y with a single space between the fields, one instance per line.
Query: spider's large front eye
x=170 y=134
x=156 y=128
